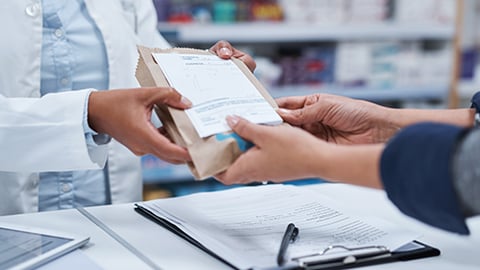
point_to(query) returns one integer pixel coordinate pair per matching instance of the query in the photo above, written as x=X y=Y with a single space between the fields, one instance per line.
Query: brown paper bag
x=210 y=155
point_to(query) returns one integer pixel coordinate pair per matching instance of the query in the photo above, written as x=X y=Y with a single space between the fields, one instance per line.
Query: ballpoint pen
x=289 y=236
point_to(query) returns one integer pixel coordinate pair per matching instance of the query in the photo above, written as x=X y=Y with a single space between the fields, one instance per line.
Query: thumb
x=298 y=117
x=171 y=97
x=245 y=129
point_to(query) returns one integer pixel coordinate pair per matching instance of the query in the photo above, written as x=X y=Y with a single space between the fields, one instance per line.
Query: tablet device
x=23 y=247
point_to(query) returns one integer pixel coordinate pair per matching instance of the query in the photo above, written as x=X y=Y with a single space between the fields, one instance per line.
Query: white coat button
x=64 y=81
x=58 y=33
x=66 y=188
x=33 y=10
x=33 y=180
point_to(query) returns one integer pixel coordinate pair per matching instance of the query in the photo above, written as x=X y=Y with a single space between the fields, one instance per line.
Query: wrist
x=352 y=164
x=389 y=123
x=91 y=135
x=93 y=112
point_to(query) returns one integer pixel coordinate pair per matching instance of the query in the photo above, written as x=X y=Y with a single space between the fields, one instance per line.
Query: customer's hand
x=338 y=119
x=125 y=115
x=288 y=153
x=280 y=153
x=225 y=51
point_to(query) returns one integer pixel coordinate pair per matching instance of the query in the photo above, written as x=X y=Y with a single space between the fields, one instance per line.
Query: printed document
x=245 y=225
x=217 y=88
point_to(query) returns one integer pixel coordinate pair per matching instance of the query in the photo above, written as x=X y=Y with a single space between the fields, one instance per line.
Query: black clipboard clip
x=340 y=256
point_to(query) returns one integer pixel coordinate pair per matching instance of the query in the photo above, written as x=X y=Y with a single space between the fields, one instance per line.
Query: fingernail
x=225 y=51
x=232 y=120
x=186 y=101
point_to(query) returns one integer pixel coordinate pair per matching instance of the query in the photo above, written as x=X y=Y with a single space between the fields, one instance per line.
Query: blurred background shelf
x=158 y=171
x=164 y=180
x=384 y=51
x=247 y=32
x=430 y=93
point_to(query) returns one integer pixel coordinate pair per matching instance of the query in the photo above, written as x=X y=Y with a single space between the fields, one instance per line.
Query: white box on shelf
x=352 y=63
x=314 y=11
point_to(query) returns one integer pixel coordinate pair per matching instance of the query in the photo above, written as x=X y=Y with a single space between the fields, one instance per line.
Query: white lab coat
x=123 y=25
x=27 y=121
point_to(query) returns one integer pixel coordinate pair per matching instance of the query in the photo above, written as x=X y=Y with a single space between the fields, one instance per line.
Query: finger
x=223 y=49
x=163 y=148
x=246 y=59
x=244 y=169
x=225 y=178
x=301 y=110
x=171 y=153
x=306 y=115
x=245 y=129
x=162 y=130
x=226 y=51
x=292 y=103
x=286 y=114
x=221 y=177
x=231 y=175
x=171 y=97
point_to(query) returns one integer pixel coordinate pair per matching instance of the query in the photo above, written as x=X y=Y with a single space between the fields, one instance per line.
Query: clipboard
x=355 y=257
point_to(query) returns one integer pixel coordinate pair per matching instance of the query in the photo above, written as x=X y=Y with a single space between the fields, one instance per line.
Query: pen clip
x=289 y=236
x=294 y=235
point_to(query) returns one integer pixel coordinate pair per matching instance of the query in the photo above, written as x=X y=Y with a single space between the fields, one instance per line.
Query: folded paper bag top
x=210 y=155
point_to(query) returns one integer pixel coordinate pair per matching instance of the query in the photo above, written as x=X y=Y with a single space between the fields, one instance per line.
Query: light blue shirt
x=73 y=57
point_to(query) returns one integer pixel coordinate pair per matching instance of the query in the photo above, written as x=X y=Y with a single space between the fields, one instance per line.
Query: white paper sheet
x=245 y=225
x=217 y=88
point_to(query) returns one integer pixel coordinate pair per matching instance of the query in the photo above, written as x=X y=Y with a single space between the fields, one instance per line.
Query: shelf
x=288 y=32
x=366 y=93
x=166 y=176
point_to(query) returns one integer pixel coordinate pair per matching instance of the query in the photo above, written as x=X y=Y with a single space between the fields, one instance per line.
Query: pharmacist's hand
x=225 y=51
x=280 y=153
x=125 y=115
x=338 y=119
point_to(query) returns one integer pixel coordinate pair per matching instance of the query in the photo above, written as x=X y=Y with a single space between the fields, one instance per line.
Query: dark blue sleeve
x=416 y=171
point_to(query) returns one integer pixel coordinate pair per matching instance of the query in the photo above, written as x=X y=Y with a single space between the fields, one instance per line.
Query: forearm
x=401 y=118
x=352 y=164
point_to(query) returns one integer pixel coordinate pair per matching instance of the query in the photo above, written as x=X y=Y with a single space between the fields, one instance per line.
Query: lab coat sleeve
x=147 y=25
x=46 y=134
x=416 y=171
